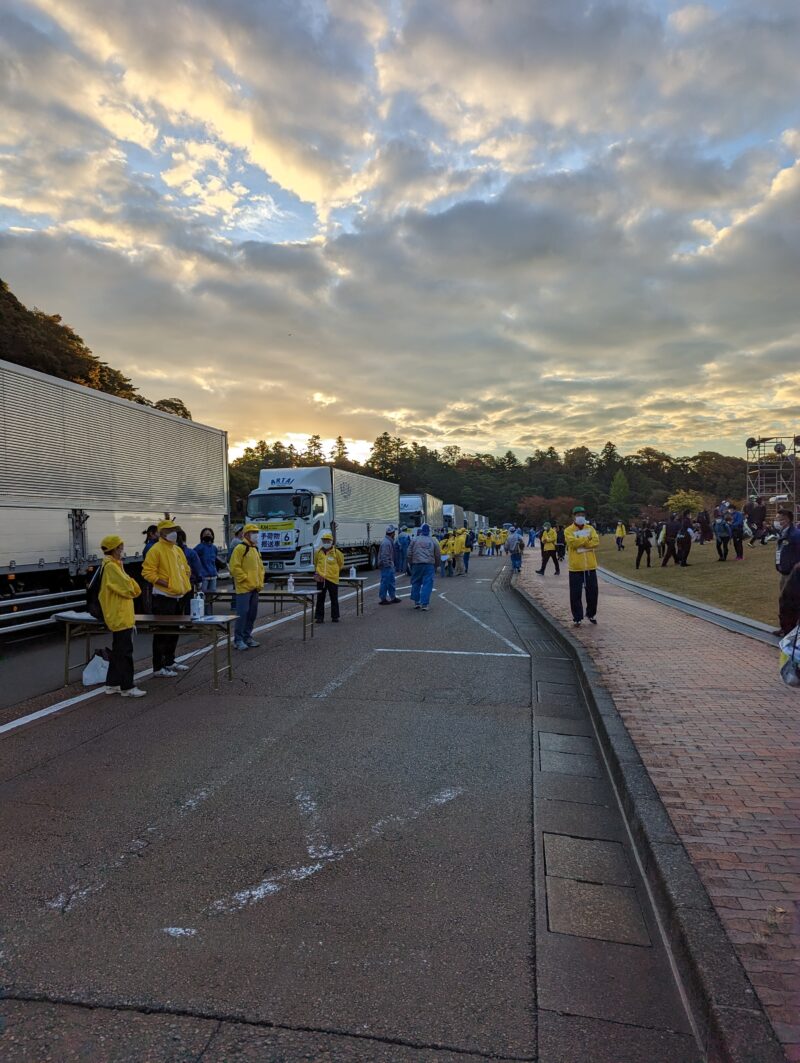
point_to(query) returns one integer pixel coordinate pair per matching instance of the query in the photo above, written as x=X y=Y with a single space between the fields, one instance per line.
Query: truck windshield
x=278 y=506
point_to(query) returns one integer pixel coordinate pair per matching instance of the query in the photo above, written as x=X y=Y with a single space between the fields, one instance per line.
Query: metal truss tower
x=772 y=472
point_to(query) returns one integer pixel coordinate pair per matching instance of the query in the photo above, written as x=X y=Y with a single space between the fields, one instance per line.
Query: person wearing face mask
x=582 y=542
x=328 y=564
x=167 y=570
x=117 y=592
x=549 y=549
x=207 y=556
x=247 y=571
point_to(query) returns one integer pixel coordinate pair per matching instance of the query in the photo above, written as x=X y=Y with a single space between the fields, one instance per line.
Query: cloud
x=498 y=225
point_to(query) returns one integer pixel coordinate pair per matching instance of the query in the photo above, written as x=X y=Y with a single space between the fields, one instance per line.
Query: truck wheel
x=373 y=557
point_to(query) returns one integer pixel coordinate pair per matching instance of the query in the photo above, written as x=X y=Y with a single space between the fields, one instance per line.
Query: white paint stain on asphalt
x=317 y=842
x=459 y=653
x=517 y=649
x=273 y=884
x=180 y=931
x=342 y=678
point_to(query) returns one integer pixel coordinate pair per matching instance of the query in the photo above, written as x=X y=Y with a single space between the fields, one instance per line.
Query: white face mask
x=252 y=537
x=171 y=537
x=580 y=521
x=327 y=546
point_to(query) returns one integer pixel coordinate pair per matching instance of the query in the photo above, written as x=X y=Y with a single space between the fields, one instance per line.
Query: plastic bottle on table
x=352 y=572
x=290 y=584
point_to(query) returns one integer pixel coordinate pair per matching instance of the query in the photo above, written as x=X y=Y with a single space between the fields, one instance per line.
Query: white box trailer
x=77 y=465
x=470 y=520
x=293 y=507
x=453 y=515
x=422 y=508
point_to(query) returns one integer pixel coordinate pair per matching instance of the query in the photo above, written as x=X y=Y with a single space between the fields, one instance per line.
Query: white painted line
x=518 y=649
x=460 y=653
x=60 y=706
x=317 y=843
x=348 y=673
x=268 y=887
x=180 y=931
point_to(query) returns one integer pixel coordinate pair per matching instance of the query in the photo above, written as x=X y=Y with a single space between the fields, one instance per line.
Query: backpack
x=93 y=605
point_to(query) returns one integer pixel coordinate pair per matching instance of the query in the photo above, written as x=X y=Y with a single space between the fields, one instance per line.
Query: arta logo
x=345 y=489
x=281 y=481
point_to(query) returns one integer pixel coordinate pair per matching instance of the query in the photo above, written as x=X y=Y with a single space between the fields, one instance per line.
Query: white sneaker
x=165 y=673
x=181 y=667
x=134 y=692
x=111 y=690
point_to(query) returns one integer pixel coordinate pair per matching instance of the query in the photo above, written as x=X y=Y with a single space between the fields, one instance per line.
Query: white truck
x=424 y=508
x=77 y=465
x=293 y=507
x=470 y=520
x=453 y=515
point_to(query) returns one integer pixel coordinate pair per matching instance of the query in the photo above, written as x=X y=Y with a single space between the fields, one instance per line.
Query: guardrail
x=15 y=612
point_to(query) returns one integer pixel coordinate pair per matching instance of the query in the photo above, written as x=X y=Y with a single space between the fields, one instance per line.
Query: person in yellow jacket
x=166 y=568
x=117 y=592
x=582 y=541
x=247 y=571
x=481 y=543
x=459 y=546
x=328 y=564
x=619 y=535
x=549 y=549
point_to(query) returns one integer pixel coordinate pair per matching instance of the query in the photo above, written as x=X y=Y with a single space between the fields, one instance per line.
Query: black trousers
x=333 y=590
x=548 y=555
x=120 y=667
x=738 y=543
x=684 y=548
x=640 y=552
x=561 y=551
x=722 y=547
x=578 y=581
x=670 y=553
x=164 y=646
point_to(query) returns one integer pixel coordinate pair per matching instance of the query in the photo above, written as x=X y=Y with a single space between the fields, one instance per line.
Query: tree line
x=43 y=342
x=543 y=486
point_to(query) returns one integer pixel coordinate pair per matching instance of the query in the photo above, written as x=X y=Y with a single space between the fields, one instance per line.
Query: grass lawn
x=749 y=587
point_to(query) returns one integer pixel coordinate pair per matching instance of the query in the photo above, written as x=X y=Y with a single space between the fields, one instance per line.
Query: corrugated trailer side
x=77 y=464
x=434 y=512
x=360 y=500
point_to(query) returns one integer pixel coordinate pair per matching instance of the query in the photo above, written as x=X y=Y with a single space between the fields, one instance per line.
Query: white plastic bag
x=96 y=671
x=790 y=659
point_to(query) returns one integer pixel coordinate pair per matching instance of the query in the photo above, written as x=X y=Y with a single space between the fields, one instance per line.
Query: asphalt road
x=395 y=841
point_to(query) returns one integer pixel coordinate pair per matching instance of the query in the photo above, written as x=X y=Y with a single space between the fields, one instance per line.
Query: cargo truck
x=293 y=507
x=453 y=515
x=77 y=465
x=416 y=510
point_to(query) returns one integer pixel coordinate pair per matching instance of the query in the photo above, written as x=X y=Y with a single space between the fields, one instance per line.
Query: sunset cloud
x=496 y=225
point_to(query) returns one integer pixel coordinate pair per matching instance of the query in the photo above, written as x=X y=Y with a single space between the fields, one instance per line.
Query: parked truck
x=453 y=515
x=424 y=508
x=77 y=465
x=293 y=507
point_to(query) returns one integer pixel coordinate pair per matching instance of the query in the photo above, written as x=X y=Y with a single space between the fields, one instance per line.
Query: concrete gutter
x=731 y=1022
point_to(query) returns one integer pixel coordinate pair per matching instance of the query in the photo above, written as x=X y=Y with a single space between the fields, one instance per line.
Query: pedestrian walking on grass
x=722 y=537
x=582 y=541
x=168 y=572
x=684 y=539
x=387 y=594
x=328 y=564
x=247 y=570
x=619 y=535
x=549 y=542
x=117 y=593
x=644 y=542
x=424 y=554
x=737 y=531
x=671 y=531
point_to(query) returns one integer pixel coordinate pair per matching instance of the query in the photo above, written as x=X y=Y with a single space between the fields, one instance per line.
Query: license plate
x=276 y=565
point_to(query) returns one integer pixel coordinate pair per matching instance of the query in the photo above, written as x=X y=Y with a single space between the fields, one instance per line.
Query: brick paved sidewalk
x=719 y=734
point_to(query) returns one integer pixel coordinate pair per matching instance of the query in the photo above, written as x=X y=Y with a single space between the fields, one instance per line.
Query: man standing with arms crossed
x=166 y=568
x=582 y=542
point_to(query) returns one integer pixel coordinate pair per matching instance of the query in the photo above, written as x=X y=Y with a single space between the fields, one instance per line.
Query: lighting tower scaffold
x=772 y=463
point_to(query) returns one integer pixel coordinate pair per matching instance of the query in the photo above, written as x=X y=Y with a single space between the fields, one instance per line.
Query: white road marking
x=517 y=649
x=317 y=842
x=268 y=887
x=460 y=653
x=180 y=931
x=60 y=706
x=348 y=673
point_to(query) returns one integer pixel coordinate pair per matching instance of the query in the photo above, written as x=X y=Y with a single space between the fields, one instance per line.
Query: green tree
x=176 y=406
x=339 y=452
x=313 y=454
x=678 y=501
x=619 y=495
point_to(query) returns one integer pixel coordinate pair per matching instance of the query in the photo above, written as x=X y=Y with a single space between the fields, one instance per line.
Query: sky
x=498 y=224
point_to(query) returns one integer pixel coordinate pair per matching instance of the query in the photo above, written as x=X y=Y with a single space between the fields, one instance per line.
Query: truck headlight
x=305 y=557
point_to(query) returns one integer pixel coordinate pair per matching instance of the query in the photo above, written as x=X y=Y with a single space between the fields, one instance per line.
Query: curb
x=730 y=1019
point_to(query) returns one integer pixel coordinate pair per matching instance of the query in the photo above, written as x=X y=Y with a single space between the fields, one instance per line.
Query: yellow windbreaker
x=581 y=546
x=168 y=562
x=117 y=591
x=329 y=565
x=459 y=544
x=246 y=568
x=548 y=540
x=620 y=532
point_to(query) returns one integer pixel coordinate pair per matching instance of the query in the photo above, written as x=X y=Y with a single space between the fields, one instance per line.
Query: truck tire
x=373 y=557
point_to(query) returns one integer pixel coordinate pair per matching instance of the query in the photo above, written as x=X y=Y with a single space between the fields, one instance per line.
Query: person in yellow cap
x=117 y=592
x=328 y=563
x=247 y=570
x=167 y=570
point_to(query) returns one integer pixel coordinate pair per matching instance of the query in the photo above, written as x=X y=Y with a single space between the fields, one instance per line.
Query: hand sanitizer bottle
x=290 y=584
x=352 y=572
